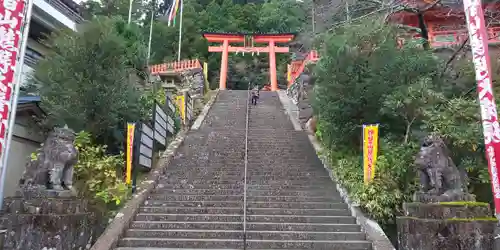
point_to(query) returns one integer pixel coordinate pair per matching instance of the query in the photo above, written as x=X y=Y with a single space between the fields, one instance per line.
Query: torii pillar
x=249 y=39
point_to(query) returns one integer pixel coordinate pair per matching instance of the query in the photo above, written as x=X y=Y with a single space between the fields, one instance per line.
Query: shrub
x=393 y=184
x=98 y=175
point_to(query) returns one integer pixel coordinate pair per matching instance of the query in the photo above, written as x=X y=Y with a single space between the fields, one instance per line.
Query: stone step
x=296 y=205
x=206 y=174
x=304 y=235
x=250 y=192
x=200 y=186
x=281 y=211
x=279 y=186
x=188 y=179
x=315 y=175
x=214 y=171
x=238 y=234
x=288 y=169
x=184 y=225
x=193 y=203
x=299 y=219
x=200 y=181
x=309 y=227
x=291 y=192
x=181 y=243
x=256 y=148
x=279 y=166
x=330 y=198
x=289 y=182
x=185 y=233
x=193 y=210
x=195 y=217
x=164 y=248
x=183 y=197
x=250 y=179
x=288 y=178
x=310 y=244
x=162 y=190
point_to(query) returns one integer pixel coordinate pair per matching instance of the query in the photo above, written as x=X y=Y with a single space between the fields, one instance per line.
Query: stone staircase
x=291 y=201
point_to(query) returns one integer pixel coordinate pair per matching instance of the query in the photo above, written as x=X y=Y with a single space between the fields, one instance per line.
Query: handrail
x=66 y=10
x=30 y=60
x=245 y=174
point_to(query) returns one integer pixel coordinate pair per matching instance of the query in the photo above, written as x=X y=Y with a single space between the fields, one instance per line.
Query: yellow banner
x=182 y=109
x=370 y=148
x=130 y=151
x=205 y=74
x=289 y=73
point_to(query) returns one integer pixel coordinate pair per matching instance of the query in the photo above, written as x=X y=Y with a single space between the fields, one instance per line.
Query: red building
x=445 y=22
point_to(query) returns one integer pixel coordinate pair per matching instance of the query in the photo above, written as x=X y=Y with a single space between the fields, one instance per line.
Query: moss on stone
x=464 y=204
x=452 y=219
x=474 y=219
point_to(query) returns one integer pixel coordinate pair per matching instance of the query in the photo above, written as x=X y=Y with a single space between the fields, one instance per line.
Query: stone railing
x=298 y=93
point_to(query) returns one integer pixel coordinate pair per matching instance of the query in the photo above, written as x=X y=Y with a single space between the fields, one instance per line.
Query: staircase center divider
x=245 y=174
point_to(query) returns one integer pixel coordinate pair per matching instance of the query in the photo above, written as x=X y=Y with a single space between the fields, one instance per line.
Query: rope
x=245 y=174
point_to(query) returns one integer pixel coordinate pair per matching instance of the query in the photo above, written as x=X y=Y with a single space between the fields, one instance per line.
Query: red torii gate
x=249 y=40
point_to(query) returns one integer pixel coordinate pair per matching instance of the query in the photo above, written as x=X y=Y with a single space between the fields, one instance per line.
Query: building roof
x=29 y=105
x=28 y=99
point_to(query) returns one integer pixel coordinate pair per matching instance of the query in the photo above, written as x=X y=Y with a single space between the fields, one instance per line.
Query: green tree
x=409 y=103
x=88 y=79
x=282 y=16
x=360 y=66
x=110 y=8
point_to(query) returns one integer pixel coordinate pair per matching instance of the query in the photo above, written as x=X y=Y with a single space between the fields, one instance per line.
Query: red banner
x=11 y=21
x=478 y=38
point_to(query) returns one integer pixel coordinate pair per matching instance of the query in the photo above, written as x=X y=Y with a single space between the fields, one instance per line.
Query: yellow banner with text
x=130 y=150
x=370 y=150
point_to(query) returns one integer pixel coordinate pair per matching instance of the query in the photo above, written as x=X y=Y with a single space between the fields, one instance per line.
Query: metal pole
x=15 y=97
x=180 y=33
x=313 y=18
x=3 y=233
x=348 y=15
x=150 y=37
x=130 y=11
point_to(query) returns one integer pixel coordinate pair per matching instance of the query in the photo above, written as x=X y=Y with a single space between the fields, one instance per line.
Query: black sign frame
x=160 y=124
x=145 y=146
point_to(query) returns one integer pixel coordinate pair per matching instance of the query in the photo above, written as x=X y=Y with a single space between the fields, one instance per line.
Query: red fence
x=297 y=67
x=175 y=67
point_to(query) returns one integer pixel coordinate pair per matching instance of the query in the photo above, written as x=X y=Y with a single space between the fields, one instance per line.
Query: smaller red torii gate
x=249 y=40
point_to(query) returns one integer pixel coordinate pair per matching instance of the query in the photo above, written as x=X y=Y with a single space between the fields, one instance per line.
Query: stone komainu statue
x=439 y=176
x=53 y=168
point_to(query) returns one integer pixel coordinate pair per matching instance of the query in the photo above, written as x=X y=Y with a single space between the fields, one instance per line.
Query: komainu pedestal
x=444 y=215
x=446 y=226
x=46 y=213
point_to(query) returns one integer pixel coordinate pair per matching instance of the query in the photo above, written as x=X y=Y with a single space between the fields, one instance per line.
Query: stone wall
x=193 y=81
x=50 y=223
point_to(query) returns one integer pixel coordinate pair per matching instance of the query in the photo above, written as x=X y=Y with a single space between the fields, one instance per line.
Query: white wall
x=53 y=12
x=25 y=141
x=26 y=74
x=19 y=155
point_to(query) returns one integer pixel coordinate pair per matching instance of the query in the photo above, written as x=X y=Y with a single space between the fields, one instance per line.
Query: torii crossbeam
x=248 y=41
